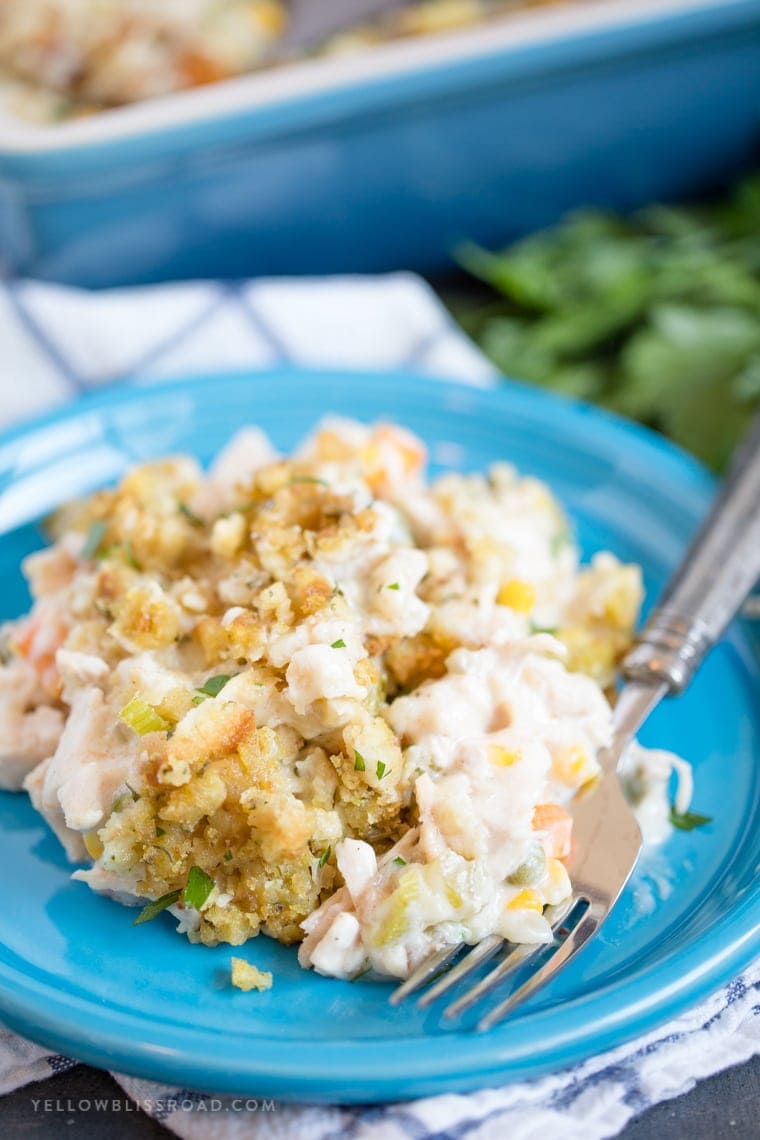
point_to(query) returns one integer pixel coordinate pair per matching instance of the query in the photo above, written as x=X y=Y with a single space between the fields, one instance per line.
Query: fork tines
x=571 y=924
x=574 y=939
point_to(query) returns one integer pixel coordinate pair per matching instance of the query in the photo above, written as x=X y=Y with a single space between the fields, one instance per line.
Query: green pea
x=532 y=870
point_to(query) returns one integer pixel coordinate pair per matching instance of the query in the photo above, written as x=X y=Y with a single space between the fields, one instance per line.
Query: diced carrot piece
x=24 y=636
x=39 y=643
x=411 y=449
x=558 y=825
x=390 y=457
x=199 y=70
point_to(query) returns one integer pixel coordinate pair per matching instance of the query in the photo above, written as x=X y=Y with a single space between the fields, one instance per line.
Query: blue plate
x=75 y=974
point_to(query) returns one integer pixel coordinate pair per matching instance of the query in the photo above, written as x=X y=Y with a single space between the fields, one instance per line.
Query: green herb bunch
x=656 y=316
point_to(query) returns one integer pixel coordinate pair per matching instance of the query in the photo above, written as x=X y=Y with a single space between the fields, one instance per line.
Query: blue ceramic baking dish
x=390 y=158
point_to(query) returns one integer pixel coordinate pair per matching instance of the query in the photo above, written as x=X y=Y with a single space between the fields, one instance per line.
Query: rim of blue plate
x=554 y=405
x=572 y=1031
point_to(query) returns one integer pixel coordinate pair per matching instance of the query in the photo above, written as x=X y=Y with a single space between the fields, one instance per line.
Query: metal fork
x=719 y=570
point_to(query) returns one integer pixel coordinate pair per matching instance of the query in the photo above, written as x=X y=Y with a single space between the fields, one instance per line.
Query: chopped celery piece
x=395 y=922
x=143 y=718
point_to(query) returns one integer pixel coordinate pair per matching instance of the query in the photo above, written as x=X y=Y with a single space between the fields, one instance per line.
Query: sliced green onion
x=395 y=915
x=154 y=908
x=393 y=586
x=197 y=889
x=325 y=856
x=359 y=764
x=688 y=820
x=228 y=856
x=95 y=536
x=159 y=831
x=142 y=718
x=380 y=770
x=400 y=861
x=339 y=644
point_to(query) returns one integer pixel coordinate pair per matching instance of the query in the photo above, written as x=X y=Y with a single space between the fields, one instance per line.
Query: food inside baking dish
x=66 y=58
x=321 y=697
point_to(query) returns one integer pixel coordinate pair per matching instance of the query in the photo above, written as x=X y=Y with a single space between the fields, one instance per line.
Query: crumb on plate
x=245 y=976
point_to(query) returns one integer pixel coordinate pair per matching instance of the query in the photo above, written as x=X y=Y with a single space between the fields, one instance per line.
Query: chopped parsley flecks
x=198 y=887
x=213 y=686
x=189 y=515
x=688 y=820
x=155 y=907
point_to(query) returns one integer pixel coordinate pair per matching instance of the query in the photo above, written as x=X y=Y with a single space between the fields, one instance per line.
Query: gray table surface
x=727 y=1104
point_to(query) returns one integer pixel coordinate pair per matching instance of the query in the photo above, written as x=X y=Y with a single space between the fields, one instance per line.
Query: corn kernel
x=93 y=845
x=518 y=595
x=573 y=765
x=526 y=900
x=503 y=757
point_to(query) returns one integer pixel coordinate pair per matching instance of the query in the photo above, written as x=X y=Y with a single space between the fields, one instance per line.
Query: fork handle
x=720 y=569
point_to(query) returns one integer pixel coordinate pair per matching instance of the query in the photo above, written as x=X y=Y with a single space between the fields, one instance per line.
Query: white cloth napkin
x=57 y=343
